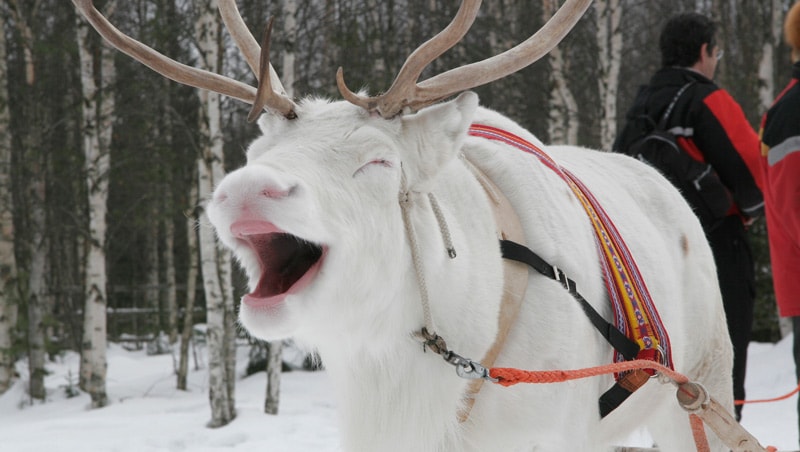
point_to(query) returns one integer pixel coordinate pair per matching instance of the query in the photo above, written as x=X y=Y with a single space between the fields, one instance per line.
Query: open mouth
x=288 y=264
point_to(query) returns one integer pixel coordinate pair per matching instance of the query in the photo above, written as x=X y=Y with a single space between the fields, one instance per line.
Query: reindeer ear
x=434 y=137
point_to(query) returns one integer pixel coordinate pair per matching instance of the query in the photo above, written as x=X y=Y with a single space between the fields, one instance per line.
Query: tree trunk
x=274 y=362
x=191 y=286
x=562 y=123
x=98 y=108
x=169 y=316
x=609 y=39
x=288 y=55
x=168 y=311
x=171 y=295
x=151 y=286
x=37 y=288
x=215 y=261
x=375 y=44
x=215 y=267
x=8 y=266
x=35 y=171
x=766 y=66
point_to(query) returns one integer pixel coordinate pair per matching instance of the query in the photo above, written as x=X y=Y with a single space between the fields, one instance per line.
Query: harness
x=637 y=331
x=635 y=315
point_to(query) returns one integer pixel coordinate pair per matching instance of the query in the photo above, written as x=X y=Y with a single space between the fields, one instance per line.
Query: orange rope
x=775 y=399
x=699 y=433
x=509 y=376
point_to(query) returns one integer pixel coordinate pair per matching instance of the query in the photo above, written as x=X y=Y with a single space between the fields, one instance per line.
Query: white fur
x=363 y=307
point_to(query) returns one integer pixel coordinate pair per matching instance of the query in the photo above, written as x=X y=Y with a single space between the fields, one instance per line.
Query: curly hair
x=682 y=38
x=791 y=27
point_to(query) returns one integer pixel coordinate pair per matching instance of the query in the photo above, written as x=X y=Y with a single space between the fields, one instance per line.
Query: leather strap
x=515 y=279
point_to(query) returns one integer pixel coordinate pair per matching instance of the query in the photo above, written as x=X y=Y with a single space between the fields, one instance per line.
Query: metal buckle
x=561 y=277
x=662 y=360
x=467 y=368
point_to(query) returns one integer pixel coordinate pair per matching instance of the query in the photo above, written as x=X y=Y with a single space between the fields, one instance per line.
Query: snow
x=147 y=413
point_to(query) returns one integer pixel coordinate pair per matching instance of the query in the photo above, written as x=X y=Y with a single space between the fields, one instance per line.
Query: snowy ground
x=147 y=414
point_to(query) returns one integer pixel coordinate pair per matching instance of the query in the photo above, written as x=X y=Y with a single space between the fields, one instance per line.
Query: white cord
x=405 y=207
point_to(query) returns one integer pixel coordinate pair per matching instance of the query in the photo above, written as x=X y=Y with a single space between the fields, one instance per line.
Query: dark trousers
x=736 y=274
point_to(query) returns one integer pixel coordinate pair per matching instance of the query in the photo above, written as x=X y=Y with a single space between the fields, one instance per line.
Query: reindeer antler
x=405 y=92
x=198 y=78
x=404 y=87
x=266 y=95
x=270 y=91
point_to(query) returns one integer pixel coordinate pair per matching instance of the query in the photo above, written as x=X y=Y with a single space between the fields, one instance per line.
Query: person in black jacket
x=711 y=128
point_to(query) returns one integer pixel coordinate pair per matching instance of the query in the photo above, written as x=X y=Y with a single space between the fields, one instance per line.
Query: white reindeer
x=314 y=218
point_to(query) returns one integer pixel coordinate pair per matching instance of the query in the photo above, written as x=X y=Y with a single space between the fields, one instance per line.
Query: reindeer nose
x=266 y=191
x=253 y=185
x=277 y=193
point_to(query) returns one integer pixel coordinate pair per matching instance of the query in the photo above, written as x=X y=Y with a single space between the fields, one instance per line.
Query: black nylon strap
x=516 y=252
x=617 y=394
x=612 y=398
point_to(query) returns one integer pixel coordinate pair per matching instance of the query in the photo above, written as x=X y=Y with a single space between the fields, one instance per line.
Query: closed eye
x=372 y=163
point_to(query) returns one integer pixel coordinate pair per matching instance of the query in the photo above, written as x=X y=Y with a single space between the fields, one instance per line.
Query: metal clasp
x=662 y=360
x=562 y=277
x=467 y=368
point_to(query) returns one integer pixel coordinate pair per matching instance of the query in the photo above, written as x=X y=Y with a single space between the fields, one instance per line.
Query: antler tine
x=265 y=95
x=246 y=42
x=241 y=35
x=434 y=89
x=167 y=67
x=404 y=86
x=506 y=63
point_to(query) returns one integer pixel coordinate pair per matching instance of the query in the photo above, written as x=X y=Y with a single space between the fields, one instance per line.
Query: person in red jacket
x=711 y=128
x=780 y=148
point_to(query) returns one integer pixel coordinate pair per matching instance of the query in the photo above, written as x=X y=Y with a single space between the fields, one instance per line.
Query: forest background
x=105 y=165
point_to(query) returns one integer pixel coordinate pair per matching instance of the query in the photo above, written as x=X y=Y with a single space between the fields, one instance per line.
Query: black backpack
x=698 y=182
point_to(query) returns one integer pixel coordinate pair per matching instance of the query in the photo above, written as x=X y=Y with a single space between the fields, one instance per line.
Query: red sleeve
x=740 y=133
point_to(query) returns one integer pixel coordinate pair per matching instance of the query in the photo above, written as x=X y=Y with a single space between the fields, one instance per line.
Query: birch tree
x=170 y=281
x=215 y=261
x=167 y=202
x=562 y=121
x=375 y=39
x=191 y=285
x=98 y=108
x=8 y=265
x=608 y=14
x=773 y=33
x=151 y=286
x=35 y=173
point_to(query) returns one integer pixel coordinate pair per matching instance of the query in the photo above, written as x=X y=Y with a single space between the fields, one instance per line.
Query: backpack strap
x=662 y=124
